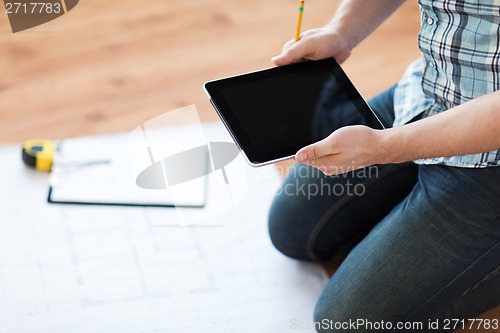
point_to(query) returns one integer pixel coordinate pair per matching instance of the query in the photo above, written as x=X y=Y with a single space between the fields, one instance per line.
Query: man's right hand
x=353 y=21
x=314 y=44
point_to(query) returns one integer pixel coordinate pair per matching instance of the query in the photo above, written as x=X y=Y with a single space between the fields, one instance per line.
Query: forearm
x=356 y=19
x=473 y=127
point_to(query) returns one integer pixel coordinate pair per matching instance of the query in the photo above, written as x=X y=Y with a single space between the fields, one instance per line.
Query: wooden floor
x=108 y=66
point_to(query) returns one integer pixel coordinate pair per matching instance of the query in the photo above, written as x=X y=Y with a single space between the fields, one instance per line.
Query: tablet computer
x=273 y=113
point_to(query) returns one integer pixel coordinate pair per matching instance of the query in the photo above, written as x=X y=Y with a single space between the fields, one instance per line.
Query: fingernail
x=302 y=157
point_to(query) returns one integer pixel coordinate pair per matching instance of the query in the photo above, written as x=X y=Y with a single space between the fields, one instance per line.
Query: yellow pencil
x=299 y=22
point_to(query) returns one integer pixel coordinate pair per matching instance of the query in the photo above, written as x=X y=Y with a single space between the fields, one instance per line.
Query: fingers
x=287 y=45
x=292 y=52
x=330 y=165
x=316 y=151
x=314 y=44
x=324 y=156
x=348 y=148
x=333 y=164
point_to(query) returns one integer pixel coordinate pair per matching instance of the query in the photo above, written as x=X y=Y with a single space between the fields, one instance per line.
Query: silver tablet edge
x=256 y=165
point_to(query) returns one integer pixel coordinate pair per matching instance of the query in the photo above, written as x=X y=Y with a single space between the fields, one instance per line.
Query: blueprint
x=89 y=269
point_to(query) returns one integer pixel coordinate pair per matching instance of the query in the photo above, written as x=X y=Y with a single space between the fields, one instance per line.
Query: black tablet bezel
x=214 y=88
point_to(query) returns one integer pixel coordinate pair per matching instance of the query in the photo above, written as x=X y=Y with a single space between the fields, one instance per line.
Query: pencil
x=299 y=21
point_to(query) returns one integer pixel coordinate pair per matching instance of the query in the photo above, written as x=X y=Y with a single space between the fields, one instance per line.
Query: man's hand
x=346 y=149
x=353 y=21
x=314 y=44
x=470 y=128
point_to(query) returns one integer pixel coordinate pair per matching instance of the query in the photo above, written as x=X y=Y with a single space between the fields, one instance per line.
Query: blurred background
x=108 y=66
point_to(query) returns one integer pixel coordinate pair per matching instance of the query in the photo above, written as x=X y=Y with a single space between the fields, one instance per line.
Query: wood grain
x=107 y=66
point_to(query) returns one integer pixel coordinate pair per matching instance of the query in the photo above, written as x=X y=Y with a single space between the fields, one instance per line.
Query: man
x=423 y=237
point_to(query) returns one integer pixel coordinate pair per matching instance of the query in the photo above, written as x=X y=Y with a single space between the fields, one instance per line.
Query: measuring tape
x=39 y=154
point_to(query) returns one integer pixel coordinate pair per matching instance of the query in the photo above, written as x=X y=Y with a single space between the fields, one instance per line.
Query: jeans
x=422 y=243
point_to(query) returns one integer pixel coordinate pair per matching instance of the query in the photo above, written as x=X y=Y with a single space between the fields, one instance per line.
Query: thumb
x=315 y=151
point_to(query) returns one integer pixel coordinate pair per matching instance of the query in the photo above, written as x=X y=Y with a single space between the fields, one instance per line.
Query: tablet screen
x=273 y=113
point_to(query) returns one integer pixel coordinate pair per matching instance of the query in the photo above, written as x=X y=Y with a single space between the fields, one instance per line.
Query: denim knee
x=331 y=316
x=290 y=241
x=326 y=320
x=321 y=317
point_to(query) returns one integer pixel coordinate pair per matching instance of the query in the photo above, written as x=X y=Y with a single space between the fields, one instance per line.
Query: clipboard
x=98 y=170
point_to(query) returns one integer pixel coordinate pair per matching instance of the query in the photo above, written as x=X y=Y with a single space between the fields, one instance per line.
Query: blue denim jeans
x=422 y=243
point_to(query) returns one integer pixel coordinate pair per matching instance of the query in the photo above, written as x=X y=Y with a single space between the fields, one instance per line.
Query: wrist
x=389 y=146
x=342 y=34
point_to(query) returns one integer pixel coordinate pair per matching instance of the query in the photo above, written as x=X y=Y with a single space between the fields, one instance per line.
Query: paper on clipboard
x=101 y=170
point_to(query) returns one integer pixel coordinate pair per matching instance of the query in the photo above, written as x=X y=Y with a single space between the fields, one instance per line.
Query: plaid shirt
x=460 y=43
